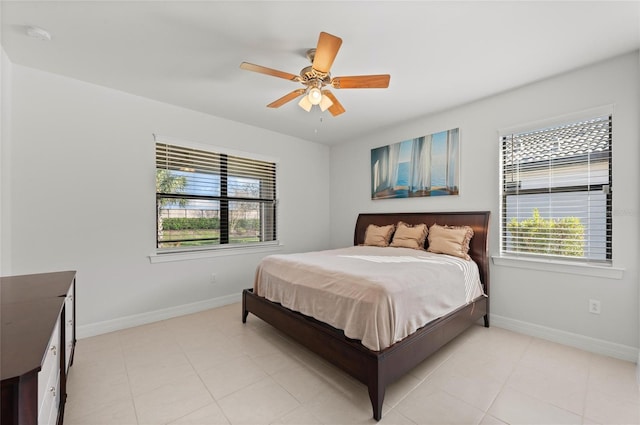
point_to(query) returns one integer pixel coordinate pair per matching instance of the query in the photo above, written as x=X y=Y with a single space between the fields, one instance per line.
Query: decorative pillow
x=378 y=235
x=451 y=240
x=409 y=235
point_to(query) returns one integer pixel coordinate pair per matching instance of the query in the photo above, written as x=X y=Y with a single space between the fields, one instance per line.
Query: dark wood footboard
x=375 y=369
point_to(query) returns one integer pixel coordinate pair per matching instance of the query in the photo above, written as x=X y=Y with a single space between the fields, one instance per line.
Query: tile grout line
x=419 y=383
x=203 y=384
x=504 y=385
x=551 y=403
x=586 y=390
x=126 y=369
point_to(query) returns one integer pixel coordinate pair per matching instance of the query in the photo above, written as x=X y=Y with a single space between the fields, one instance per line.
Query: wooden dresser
x=37 y=342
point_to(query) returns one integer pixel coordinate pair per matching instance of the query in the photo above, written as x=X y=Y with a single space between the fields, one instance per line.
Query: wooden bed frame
x=378 y=369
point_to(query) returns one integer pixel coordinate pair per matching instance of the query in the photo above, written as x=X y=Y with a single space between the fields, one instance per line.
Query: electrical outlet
x=594 y=306
x=214 y=277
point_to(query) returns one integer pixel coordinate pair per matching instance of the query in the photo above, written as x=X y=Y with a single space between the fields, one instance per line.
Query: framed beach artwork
x=424 y=166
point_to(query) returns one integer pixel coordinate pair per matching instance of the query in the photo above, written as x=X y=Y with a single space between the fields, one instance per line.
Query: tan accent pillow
x=409 y=235
x=378 y=235
x=451 y=240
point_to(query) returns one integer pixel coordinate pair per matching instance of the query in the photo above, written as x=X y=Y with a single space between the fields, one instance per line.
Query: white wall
x=82 y=197
x=5 y=166
x=551 y=303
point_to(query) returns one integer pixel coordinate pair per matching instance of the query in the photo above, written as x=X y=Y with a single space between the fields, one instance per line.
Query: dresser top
x=30 y=287
x=29 y=310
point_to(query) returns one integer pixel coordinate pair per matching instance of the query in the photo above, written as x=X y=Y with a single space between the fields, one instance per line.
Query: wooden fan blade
x=337 y=108
x=273 y=72
x=362 y=82
x=286 y=98
x=326 y=51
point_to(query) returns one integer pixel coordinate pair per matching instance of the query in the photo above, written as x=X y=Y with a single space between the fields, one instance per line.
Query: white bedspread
x=376 y=295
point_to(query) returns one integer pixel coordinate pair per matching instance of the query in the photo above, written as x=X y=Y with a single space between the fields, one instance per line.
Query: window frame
x=506 y=257
x=177 y=253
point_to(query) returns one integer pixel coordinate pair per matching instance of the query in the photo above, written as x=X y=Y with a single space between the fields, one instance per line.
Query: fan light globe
x=315 y=96
x=325 y=103
x=305 y=104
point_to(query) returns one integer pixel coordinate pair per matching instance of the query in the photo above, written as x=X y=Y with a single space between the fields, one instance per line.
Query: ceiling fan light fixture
x=325 y=103
x=305 y=103
x=315 y=96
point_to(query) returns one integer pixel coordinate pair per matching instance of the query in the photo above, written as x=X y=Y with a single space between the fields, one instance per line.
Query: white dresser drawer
x=69 y=326
x=50 y=402
x=50 y=366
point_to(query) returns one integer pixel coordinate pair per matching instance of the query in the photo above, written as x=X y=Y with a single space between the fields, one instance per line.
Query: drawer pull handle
x=52 y=390
x=54 y=350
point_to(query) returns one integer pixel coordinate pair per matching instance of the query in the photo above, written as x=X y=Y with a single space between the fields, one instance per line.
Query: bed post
x=245 y=312
x=377 y=387
x=377 y=397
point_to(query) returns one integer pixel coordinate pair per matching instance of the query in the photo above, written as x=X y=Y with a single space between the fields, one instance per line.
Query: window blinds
x=556 y=191
x=212 y=198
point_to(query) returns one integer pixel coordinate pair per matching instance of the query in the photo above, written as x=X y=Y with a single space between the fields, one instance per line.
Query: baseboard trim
x=594 y=345
x=99 y=328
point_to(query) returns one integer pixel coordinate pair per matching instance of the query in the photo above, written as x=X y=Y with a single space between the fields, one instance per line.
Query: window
x=208 y=199
x=556 y=191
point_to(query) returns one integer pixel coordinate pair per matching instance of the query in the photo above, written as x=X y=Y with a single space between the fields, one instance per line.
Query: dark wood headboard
x=477 y=220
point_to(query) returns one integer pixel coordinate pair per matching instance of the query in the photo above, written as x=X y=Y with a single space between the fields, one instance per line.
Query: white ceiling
x=439 y=54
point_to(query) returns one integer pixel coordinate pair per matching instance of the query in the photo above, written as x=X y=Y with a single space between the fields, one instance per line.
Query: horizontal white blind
x=556 y=191
x=207 y=198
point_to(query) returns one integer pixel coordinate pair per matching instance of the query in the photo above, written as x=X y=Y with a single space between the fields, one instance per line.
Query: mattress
x=376 y=295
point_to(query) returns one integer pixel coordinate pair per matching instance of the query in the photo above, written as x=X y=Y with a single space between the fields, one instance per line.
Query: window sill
x=212 y=253
x=594 y=270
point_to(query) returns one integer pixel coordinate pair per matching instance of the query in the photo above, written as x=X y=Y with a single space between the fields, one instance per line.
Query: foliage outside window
x=556 y=191
x=207 y=199
x=562 y=236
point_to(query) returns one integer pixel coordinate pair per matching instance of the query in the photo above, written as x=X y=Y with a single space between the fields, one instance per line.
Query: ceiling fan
x=317 y=76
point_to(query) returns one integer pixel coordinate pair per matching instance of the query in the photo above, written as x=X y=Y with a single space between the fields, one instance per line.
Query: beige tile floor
x=209 y=368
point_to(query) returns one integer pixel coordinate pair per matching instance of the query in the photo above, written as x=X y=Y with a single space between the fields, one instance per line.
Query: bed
x=378 y=368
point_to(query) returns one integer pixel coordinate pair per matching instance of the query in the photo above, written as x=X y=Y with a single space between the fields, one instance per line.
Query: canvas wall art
x=424 y=166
